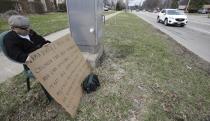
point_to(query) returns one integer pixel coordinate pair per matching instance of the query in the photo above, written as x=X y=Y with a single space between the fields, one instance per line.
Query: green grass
x=43 y=24
x=3 y=25
x=145 y=76
x=172 y=81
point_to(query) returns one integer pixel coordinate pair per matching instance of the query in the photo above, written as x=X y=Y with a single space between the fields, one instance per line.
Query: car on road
x=172 y=17
x=106 y=9
x=203 y=11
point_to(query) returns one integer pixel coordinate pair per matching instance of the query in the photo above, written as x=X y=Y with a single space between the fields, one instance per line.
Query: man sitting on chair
x=21 y=40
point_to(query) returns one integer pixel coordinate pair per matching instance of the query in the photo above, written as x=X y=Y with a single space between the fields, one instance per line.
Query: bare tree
x=24 y=6
x=175 y=4
x=194 y=5
x=120 y=5
x=151 y=4
x=107 y=3
x=56 y=5
x=183 y=2
x=167 y=4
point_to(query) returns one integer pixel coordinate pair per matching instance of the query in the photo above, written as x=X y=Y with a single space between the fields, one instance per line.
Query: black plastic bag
x=91 y=83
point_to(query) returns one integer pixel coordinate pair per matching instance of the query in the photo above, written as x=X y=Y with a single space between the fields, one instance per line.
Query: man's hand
x=45 y=45
x=28 y=59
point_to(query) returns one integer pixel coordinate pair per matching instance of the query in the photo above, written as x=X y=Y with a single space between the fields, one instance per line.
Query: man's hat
x=19 y=21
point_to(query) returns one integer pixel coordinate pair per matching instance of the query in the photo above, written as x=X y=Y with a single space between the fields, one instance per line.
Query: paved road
x=195 y=35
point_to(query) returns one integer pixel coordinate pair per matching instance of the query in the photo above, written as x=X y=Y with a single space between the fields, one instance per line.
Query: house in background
x=183 y=5
x=206 y=6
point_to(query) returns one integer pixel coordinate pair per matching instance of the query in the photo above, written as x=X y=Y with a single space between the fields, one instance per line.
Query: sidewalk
x=10 y=69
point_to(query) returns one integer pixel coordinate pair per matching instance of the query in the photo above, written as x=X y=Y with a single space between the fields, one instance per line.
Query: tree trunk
x=24 y=6
x=56 y=5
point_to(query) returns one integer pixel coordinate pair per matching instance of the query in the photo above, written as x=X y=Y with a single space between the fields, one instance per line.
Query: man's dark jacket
x=19 y=48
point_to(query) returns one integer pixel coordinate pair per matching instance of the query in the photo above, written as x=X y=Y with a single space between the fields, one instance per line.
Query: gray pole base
x=94 y=59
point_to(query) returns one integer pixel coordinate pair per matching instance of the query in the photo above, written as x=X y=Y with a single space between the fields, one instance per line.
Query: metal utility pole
x=188 y=4
x=141 y=2
x=126 y=2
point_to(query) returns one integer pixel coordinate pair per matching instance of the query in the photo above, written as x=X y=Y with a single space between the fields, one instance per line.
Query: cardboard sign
x=61 y=68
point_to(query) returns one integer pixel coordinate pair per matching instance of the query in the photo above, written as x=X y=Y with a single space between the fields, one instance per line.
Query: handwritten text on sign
x=61 y=68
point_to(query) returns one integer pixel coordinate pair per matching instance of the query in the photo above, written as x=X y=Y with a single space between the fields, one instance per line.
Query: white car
x=172 y=17
x=106 y=9
x=203 y=11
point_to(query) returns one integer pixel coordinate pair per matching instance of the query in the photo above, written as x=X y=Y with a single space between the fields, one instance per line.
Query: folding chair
x=27 y=71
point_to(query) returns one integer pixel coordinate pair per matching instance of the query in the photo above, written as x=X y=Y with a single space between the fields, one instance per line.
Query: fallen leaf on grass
x=167 y=107
x=188 y=67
